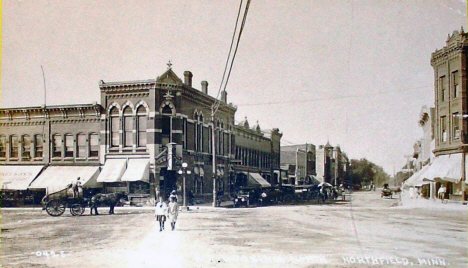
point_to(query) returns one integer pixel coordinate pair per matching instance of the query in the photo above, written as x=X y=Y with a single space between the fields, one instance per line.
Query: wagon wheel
x=55 y=208
x=288 y=199
x=77 y=209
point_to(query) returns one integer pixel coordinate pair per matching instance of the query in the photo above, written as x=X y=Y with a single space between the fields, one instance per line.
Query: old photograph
x=234 y=133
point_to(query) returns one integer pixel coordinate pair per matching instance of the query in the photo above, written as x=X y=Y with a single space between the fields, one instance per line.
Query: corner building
x=451 y=112
x=136 y=141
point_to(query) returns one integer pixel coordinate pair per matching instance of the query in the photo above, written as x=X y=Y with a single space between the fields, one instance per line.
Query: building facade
x=300 y=162
x=136 y=140
x=332 y=165
x=451 y=111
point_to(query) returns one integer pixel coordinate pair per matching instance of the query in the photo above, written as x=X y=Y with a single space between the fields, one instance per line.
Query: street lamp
x=183 y=171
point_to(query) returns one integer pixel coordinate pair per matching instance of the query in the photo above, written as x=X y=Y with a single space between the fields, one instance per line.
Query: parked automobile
x=242 y=198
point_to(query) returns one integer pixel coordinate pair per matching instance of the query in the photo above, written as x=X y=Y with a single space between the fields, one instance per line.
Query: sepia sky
x=354 y=73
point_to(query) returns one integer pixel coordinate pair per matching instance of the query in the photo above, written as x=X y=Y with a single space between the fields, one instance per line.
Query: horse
x=106 y=199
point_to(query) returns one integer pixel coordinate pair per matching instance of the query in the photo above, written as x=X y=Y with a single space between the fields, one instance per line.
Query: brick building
x=300 y=161
x=135 y=141
x=451 y=110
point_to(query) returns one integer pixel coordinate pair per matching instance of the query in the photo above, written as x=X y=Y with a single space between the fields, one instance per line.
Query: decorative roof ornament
x=169 y=65
x=168 y=95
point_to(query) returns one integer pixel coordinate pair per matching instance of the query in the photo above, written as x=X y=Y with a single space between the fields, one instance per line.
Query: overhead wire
x=331 y=98
x=230 y=49
x=244 y=19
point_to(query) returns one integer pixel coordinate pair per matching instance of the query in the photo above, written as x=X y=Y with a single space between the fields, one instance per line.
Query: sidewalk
x=407 y=202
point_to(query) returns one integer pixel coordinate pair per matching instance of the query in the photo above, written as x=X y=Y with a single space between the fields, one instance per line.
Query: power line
x=230 y=49
x=244 y=19
x=331 y=98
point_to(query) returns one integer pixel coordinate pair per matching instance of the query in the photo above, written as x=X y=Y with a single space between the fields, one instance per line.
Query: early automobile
x=242 y=198
x=386 y=191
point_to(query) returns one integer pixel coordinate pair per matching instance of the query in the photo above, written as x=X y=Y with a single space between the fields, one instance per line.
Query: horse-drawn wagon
x=56 y=203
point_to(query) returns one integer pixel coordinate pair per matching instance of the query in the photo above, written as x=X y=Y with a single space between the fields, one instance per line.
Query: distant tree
x=363 y=172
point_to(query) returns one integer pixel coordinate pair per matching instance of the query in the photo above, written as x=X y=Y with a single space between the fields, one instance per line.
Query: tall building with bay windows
x=451 y=112
x=134 y=141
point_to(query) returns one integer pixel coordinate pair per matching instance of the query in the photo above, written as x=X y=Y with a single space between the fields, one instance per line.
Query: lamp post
x=182 y=171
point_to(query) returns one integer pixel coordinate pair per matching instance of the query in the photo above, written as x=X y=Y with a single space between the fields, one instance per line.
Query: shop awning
x=57 y=178
x=137 y=170
x=256 y=179
x=445 y=168
x=18 y=177
x=113 y=170
x=314 y=180
x=417 y=179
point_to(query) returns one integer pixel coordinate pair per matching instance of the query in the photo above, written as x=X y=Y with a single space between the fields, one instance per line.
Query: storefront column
x=464 y=171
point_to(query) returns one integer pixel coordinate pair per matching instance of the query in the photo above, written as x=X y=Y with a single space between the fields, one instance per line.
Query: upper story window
x=93 y=145
x=26 y=147
x=114 y=127
x=141 y=126
x=38 y=146
x=81 y=144
x=56 y=145
x=69 y=148
x=442 y=88
x=128 y=127
x=3 y=145
x=443 y=128
x=14 y=146
x=455 y=85
x=456 y=126
x=166 y=124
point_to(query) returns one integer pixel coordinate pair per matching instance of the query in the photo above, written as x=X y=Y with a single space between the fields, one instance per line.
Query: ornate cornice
x=142 y=85
x=130 y=95
x=23 y=123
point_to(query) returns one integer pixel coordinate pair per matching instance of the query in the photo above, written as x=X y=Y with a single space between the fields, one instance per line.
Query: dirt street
x=366 y=231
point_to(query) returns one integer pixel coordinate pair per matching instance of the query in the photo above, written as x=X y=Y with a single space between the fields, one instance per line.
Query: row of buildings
x=440 y=155
x=137 y=138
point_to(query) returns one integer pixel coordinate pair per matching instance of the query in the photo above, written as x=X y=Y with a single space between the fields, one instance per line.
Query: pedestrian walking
x=161 y=213
x=441 y=193
x=173 y=212
x=173 y=195
x=157 y=193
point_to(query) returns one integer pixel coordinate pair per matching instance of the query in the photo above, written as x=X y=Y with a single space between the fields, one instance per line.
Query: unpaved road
x=366 y=232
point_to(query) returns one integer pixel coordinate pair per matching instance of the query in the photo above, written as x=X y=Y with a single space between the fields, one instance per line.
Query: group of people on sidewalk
x=168 y=211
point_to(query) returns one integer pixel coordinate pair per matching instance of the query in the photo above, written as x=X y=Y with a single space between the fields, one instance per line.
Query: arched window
x=81 y=144
x=93 y=145
x=26 y=147
x=38 y=146
x=14 y=146
x=141 y=126
x=114 y=127
x=3 y=144
x=69 y=148
x=128 y=127
x=166 y=124
x=56 y=145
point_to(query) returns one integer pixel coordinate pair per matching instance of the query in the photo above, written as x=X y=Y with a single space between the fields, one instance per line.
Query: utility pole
x=213 y=150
